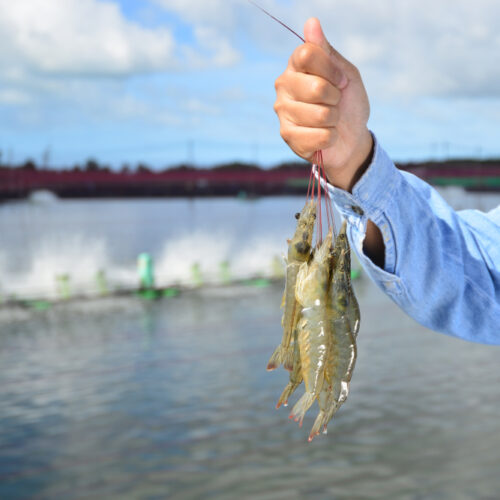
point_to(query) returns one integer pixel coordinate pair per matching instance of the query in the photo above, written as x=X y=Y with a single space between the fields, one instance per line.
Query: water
x=46 y=239
x=122 y=398
x=170 y=399
x=80 y=238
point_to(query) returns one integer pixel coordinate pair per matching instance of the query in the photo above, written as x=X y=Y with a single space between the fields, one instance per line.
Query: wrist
x=346 y=176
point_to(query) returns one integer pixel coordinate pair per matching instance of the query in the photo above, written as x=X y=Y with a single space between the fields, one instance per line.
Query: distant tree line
x=92 y=165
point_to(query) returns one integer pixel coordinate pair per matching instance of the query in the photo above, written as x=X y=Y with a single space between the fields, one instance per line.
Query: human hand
x=322 y=104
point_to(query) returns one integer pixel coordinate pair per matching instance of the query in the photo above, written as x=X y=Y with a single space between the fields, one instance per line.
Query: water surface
x=124 y=398
x=170 y=399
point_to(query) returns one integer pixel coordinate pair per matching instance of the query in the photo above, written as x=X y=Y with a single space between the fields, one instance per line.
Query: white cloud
x=14 y=97
x=213 y=24
x=215 y=13
x=415 y=47
x=61 y=58
x=79 y=37
x=93 y=38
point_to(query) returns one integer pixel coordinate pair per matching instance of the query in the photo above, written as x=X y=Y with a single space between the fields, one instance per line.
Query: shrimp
x=295 y=378
x=323 y=316
x=299 y=251
x=313 y=328
x=343 y=354
x=353 y=306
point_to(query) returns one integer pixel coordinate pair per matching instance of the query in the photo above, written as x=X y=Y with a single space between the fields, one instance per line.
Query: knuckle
x=285 y=134
x=318 y=88
x=278 y=83
x=324 y=115
x=303 y=56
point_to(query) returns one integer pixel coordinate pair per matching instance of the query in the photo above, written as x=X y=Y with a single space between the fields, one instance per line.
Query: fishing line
x=317 y=159
x=276 y=19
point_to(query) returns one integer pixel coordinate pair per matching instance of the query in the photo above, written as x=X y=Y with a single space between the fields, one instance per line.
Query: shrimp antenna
x=276 y=19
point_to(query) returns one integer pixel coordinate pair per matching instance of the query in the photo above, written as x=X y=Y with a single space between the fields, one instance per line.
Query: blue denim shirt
x=441 y=266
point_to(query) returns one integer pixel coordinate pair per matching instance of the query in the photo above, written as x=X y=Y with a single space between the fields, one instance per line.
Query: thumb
x=313 y=33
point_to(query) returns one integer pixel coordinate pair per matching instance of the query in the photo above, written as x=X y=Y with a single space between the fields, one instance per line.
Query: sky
x=165 y=82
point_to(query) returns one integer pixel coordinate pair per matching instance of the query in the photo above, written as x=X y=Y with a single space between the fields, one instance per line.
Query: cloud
x=79 y=37
x=214 y=13
x=72 y=58
x=213 y=26
x=416 y=47
x=14 y=97
x=91 y=38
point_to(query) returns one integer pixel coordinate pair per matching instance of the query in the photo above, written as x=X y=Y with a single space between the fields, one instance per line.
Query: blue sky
x=170 y=81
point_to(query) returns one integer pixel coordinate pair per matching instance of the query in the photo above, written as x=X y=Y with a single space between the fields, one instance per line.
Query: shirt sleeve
x=441 y=266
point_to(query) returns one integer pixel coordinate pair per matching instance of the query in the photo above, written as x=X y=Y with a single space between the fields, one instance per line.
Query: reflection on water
x=170 y=399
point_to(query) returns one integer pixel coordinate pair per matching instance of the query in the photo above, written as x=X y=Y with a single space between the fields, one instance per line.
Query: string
x=317 y=161
x=277 y=20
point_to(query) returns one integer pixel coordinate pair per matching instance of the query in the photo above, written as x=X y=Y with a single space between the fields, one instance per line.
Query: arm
x=441 y=267
x=322 y=105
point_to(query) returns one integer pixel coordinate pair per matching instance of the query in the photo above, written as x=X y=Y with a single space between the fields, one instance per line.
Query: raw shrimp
x=313 y=328
x=299 y=251
x=295 y=378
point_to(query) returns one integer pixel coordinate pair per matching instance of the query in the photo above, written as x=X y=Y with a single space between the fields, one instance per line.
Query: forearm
x=436 y=266
x=346 y=178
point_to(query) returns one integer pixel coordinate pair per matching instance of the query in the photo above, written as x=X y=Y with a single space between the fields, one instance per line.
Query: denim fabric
x=441 y=266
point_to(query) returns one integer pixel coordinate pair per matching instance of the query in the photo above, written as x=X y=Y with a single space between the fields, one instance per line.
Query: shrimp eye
x=297 y=215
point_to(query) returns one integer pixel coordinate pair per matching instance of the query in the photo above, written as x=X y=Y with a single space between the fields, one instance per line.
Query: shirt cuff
x=371 y=198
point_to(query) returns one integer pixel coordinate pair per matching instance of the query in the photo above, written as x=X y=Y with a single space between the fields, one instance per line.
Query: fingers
x=307 y=115
x=312 y=59
x=307 y=88
x=307 y=101
x=305 y=141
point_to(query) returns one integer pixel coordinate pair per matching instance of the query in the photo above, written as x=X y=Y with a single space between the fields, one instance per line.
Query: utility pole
x=190 y=152
x=46 y=158
x=255 y=148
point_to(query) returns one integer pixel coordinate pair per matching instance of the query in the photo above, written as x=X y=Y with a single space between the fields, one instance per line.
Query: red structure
x=231 y=180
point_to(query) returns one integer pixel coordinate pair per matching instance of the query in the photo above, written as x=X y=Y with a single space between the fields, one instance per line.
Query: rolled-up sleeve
x=441 y=266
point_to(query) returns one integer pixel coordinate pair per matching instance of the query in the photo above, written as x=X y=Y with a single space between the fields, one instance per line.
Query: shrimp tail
x=301 y=406
x=287 y=392
x=276 y=359
x=318 y=423
x=329 y=415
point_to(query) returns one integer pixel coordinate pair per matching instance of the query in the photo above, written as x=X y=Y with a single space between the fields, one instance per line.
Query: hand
x=322 y=104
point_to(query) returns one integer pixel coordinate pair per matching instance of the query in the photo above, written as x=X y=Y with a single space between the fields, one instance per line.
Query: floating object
x=171 y=292
x=39 y=305
x=196 y=274
x=102 y=284
x=149 y=294
x=257 y=282
x=63 y=287
x=225 y=272
x=145 y=269
x=42 y=197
